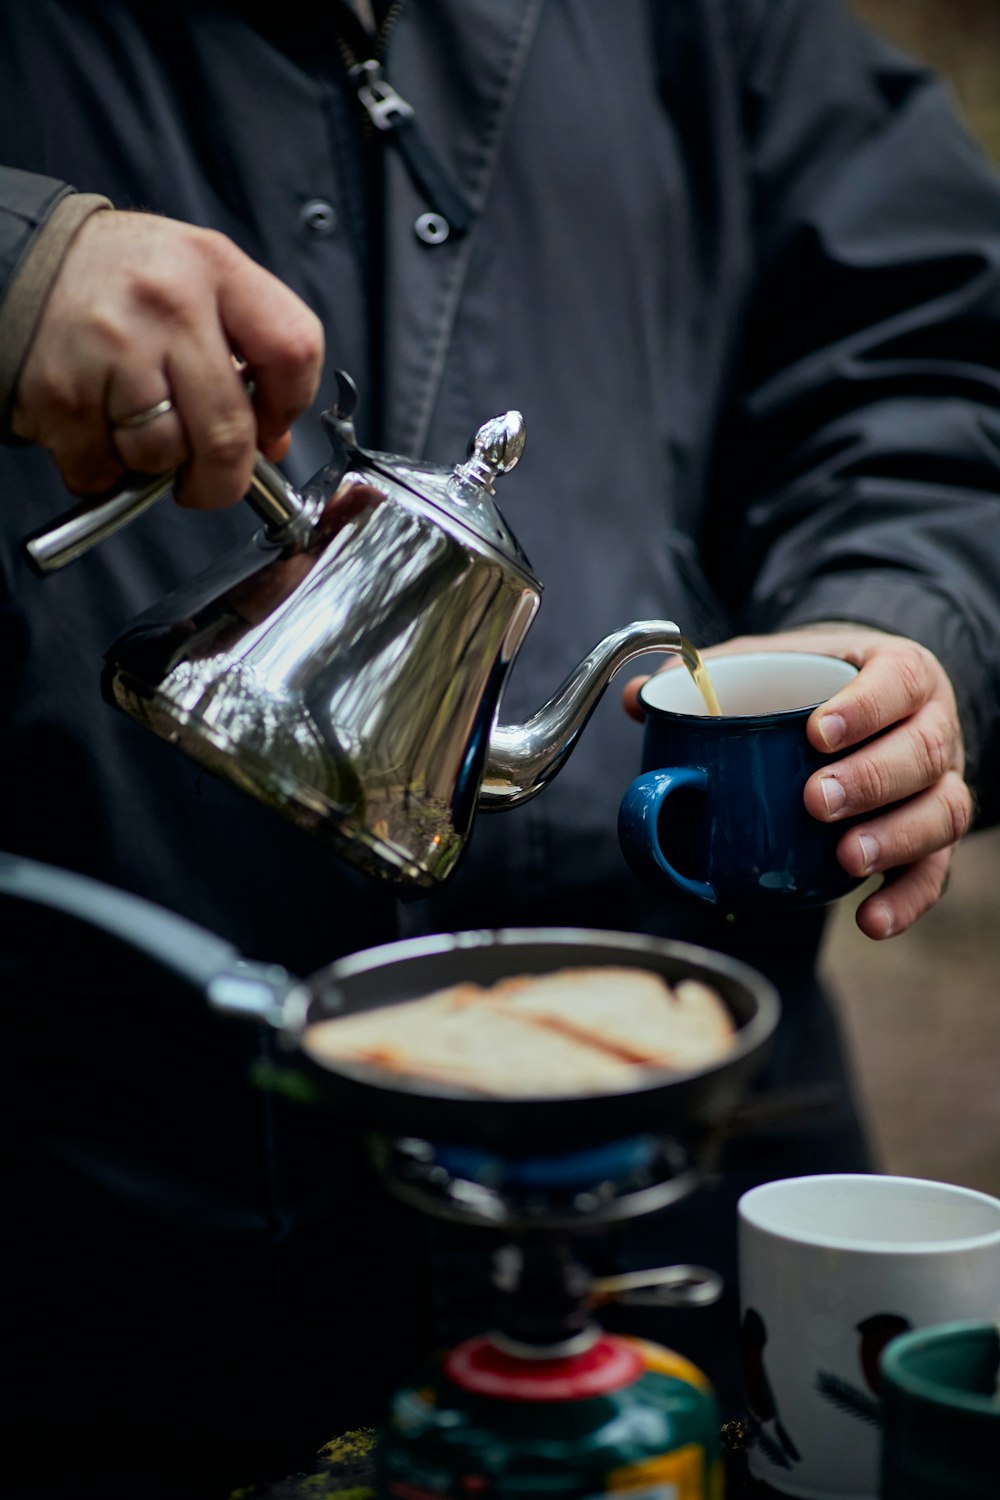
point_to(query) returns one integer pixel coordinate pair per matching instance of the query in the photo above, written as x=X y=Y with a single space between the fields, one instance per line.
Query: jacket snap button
x=318 y=216
x=433 y=229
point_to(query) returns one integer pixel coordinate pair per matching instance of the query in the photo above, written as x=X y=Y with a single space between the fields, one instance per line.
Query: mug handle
x=638 y=820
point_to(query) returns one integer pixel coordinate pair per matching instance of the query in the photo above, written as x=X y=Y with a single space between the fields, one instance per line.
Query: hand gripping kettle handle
x=206 y=962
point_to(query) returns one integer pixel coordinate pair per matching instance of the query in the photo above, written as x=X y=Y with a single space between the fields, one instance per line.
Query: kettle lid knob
x=494 y=450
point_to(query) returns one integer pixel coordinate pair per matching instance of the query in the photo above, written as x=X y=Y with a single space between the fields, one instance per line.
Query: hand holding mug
x=718 y=812
x=897 y=779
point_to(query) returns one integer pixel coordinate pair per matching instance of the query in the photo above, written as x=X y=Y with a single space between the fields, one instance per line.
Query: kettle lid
x=466 y=493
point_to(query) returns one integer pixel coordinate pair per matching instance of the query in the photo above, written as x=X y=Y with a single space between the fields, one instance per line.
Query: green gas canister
x=618 y=1417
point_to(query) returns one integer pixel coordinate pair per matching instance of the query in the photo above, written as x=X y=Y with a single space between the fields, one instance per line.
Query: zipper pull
x=384 y=107
x=390 y=113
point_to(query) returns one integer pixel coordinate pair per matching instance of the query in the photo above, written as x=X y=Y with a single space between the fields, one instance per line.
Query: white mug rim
x=774 y=659
x=751 y=1203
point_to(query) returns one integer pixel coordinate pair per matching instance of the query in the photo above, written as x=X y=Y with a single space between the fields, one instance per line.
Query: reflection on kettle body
x=348 y=665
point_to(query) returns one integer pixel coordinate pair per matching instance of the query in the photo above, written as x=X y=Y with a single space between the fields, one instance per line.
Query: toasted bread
x=478 y=1046
x=631 y=1012
x=575 y=1031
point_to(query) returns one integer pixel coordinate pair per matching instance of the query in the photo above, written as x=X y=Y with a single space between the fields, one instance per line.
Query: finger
x=916 y=754
x=277 y=450
x=277 y=335
x=84 y=453
x=214 y=408
x=895 y=681
x=63 y=410
x=630 y=698
x=147 y=438
x=936 y=819
x=901 y=901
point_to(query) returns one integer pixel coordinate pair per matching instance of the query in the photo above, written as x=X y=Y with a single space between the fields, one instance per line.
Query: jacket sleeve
x=862 y=468
x=38 y=219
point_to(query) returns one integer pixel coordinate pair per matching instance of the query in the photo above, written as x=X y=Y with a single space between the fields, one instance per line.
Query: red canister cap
x=608 y=1365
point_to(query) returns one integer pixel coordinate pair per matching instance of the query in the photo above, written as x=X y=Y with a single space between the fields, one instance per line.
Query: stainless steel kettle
x=347 y=666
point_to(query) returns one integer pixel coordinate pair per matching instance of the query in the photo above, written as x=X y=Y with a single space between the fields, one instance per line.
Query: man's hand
x=909 y=779
x=147 y=310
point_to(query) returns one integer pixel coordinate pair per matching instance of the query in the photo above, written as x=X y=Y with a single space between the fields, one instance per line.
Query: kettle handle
x=277 y=503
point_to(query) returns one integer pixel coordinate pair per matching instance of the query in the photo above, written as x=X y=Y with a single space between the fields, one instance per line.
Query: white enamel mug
x=831 y=1269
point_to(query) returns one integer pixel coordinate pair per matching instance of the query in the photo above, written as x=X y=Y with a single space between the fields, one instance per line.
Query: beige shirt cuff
x=29 y=288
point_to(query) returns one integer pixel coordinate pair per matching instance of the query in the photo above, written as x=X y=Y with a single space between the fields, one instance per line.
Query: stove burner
x=576 y=1191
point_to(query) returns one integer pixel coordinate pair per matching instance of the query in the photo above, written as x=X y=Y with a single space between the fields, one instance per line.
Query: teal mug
x=941 y=1414
x=717 y=813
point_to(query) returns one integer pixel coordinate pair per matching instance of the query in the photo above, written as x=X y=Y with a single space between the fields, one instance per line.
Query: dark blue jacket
x=739 y=267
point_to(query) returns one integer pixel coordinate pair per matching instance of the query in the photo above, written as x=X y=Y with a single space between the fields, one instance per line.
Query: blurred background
x=922 y=1011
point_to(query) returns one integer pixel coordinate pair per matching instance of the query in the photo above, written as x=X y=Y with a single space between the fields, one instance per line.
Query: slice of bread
x=572 y=1032
x=631 y=1012
x=478 y=1046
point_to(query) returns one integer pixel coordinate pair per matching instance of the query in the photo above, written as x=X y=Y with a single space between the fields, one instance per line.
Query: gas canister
x=620 y=1417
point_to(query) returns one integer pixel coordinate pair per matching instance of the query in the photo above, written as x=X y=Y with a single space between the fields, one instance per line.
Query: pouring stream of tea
x=699 y=676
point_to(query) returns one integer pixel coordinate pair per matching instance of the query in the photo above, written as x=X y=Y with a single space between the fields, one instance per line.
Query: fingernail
x=869 y=854
x=832 y=730
x=888 y=923
x=833 y=794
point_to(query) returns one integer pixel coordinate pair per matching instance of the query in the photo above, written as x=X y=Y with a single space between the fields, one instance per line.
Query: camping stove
x=546 y=1403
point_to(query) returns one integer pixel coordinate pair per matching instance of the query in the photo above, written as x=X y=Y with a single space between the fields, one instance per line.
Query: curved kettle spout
x=523 y=758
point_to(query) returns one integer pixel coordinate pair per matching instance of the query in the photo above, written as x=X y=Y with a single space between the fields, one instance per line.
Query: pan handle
x=206 y=962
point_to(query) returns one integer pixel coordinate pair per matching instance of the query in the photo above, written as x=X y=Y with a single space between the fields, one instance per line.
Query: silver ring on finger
x=143 y=418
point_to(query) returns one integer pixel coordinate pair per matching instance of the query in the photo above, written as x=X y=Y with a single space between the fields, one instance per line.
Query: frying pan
x=682 y=1103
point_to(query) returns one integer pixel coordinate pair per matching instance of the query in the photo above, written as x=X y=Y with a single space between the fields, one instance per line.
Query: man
x=741 y=271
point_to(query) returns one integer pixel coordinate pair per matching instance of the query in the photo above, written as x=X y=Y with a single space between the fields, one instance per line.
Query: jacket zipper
x=387 y=112
x=378 y=42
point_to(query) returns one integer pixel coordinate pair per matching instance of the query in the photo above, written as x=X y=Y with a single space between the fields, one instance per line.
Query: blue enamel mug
x=717 y=813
